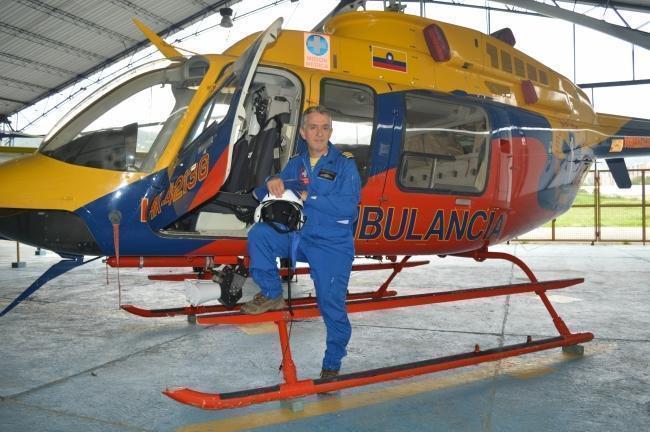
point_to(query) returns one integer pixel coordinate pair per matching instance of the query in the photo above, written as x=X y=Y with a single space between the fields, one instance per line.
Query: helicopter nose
x=55 y=230
x=37 y=204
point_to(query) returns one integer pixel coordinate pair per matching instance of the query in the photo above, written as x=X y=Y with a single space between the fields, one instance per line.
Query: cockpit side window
x=129 y=127
x=445 y=146
x=212 y=112
x=353 y=111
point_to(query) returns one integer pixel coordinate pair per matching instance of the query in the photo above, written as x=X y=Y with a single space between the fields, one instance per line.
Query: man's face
x=317 y=131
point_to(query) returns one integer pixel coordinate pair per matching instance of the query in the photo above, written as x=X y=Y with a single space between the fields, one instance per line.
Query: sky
x=598 y=57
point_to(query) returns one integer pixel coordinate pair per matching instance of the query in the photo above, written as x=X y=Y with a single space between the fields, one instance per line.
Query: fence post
x=596 y=204
x=643 y=205
x=553 y=229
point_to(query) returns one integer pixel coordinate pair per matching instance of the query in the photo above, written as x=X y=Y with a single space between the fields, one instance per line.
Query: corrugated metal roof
x=46 y=45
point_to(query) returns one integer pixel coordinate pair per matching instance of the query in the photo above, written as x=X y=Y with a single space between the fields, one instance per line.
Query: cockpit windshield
x=128 y=125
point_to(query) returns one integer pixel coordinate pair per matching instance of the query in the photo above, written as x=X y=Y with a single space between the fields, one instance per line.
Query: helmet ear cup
x=284 y=215
x=283 y=212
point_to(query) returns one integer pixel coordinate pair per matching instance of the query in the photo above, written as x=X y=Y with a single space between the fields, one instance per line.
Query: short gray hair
x=312 y=109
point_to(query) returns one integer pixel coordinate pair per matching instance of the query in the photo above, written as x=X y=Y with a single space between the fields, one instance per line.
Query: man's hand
x=303 y=195
x=275 y=186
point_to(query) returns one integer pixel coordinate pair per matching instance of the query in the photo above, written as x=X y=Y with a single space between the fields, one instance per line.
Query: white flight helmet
x=284 y=214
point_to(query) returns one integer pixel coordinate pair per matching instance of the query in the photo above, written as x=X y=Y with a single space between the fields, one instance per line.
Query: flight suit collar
x=332 y=152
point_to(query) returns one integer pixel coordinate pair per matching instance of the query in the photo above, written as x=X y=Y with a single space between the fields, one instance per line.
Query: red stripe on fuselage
x=213 y=182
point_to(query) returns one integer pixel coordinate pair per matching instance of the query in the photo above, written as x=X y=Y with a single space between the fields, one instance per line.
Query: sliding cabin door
x=438 y=172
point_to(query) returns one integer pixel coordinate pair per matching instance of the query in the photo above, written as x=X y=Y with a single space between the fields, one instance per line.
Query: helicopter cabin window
x=128 y=127
x=532 y=72
x=506 y=61
x=519 y=68
x=494 y=55
x=353 y=111
x=445 y=146
x=543 y=77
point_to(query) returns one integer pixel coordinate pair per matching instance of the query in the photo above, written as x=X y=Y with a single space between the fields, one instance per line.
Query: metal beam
x=33 y=64
x=45 y=41
x=76 y=20
x=635 y=7
x=614 y=84
x=132 y=7
x=470 y=6
x=636 y=37
x=22 y=85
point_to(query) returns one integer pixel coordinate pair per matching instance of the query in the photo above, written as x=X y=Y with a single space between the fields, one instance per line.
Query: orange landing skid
x=382 y=291
x=373 y=376
x=292 y=387
x=374 y=304
x=199 y=310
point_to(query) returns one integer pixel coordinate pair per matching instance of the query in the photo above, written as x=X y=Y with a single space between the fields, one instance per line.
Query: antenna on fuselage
x=394 y=6
x=342 y=7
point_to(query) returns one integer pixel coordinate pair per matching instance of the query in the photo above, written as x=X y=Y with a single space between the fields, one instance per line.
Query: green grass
x=609 y=216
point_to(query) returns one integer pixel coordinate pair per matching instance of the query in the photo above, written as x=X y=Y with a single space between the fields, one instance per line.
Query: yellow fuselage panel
x=480 y=64
x=48 y=184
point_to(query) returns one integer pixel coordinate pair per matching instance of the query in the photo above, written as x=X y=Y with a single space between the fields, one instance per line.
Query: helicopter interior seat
x=261 y=152
x=416 y=172
x=433 y=143
x=434 y=148
x=265 y=151
x=253 y=161
x=458 y=173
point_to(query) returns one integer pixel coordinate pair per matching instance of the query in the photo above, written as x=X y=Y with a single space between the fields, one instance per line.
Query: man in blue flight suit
x=328 y=183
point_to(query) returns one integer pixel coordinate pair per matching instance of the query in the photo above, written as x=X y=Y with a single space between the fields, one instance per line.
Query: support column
x=18 y=263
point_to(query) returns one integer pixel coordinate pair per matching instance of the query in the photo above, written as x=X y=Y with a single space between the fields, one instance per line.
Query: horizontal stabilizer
x=619 y=172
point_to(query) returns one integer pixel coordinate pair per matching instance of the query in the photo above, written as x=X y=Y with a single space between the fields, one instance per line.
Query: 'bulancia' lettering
x=455 y=225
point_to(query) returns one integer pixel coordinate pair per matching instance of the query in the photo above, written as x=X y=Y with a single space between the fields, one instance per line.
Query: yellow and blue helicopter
x=461 y=141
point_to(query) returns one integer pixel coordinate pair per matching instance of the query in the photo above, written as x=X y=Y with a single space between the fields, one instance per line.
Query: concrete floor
x=71 y=361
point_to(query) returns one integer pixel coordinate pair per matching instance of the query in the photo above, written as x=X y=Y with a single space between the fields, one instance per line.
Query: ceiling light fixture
x=226 y=17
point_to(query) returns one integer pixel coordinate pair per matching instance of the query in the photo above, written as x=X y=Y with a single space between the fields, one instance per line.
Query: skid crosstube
x=309 y=387
x=373 y=304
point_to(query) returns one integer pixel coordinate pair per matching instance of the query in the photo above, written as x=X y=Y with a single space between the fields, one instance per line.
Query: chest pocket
x=325 y=178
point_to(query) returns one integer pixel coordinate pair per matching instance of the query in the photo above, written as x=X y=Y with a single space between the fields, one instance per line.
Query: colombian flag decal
x=384 y=58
